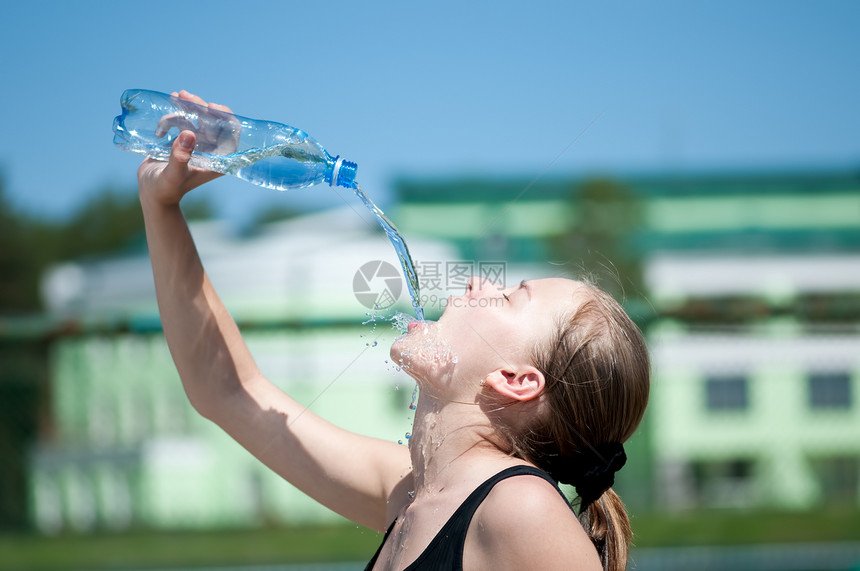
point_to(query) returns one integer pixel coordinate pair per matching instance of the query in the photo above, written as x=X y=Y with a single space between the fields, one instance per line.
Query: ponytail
x=601 y=512
x=606 y=523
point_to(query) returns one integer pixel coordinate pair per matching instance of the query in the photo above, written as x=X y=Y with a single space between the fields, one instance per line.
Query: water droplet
x=413 y=404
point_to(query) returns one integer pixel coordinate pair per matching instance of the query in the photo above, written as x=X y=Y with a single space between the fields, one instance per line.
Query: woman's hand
x=216 y=127
x=166 y=183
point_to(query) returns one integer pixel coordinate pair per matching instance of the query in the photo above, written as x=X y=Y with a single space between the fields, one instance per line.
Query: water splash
x=401 y=321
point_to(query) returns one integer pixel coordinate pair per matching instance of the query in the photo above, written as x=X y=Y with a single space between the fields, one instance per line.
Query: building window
x=830 y=390
x=838 y=478
x=726 y=393
x=723 y=483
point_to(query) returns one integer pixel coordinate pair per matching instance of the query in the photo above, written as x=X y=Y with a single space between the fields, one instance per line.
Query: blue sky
x=445 y=88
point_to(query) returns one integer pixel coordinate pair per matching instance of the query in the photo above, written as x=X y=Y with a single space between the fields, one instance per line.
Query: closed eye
x=504 y=295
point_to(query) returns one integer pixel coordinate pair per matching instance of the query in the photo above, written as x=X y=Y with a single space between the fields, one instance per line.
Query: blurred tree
x=19 y=264
x=23 y=396
x=22 y=360
x=599 y=239
x=111 y=221
x=197 y=207
x=274 y=214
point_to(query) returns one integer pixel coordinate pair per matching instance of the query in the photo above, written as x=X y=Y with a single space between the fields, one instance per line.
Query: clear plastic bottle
x=268 y=154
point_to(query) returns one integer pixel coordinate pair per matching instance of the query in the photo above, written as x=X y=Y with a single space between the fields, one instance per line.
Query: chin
x=396 y=352
x=424 y=352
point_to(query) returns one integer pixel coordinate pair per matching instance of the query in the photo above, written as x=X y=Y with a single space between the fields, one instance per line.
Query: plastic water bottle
x=268 y=154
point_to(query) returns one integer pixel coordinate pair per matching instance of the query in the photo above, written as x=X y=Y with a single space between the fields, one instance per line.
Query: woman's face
x=489 y=327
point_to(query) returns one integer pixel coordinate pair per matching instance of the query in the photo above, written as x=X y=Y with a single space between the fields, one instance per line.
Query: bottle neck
x=343 y=173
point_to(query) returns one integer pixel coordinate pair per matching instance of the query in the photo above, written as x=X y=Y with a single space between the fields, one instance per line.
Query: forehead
x=554 y=295
x=561 y=289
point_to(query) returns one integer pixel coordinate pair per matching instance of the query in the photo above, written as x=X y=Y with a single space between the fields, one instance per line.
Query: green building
x=747 y=287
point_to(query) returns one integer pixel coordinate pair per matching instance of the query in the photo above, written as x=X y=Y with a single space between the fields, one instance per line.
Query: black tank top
x=446 y=549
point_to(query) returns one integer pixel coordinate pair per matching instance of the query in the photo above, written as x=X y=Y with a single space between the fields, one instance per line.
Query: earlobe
x=522 y=385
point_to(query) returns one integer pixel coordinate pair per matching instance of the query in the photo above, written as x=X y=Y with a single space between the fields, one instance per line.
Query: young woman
x=520 y=388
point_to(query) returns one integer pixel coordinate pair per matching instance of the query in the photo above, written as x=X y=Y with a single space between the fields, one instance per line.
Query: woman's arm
x=351 y=474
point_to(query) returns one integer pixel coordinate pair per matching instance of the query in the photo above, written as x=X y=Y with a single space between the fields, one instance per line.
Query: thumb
x=180 y=154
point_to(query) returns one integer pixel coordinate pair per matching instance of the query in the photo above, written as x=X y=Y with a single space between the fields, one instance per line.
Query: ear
x=523 y=384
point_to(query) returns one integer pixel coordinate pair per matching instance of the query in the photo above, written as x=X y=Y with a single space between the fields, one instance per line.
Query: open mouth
x=412 y=325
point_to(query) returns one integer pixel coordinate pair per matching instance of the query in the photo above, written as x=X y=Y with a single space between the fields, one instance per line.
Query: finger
x=177 y=120
x=192 y=98
x=219 y=107
x=180 y=155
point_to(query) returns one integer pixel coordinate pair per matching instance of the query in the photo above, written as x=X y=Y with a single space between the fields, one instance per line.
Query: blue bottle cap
x=343 y=173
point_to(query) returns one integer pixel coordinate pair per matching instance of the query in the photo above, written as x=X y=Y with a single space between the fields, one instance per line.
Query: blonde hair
x=597 y=375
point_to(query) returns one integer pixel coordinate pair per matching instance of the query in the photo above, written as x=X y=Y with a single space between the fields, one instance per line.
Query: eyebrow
x=524 y=285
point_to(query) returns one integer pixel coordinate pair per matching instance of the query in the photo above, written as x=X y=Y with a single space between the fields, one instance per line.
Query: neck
x=445 y=437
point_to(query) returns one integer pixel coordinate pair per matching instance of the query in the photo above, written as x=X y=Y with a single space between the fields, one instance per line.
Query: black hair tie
x=591 y=471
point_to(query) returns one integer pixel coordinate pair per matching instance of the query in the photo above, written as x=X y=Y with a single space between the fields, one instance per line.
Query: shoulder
x=526 y=499
x=524 y=523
